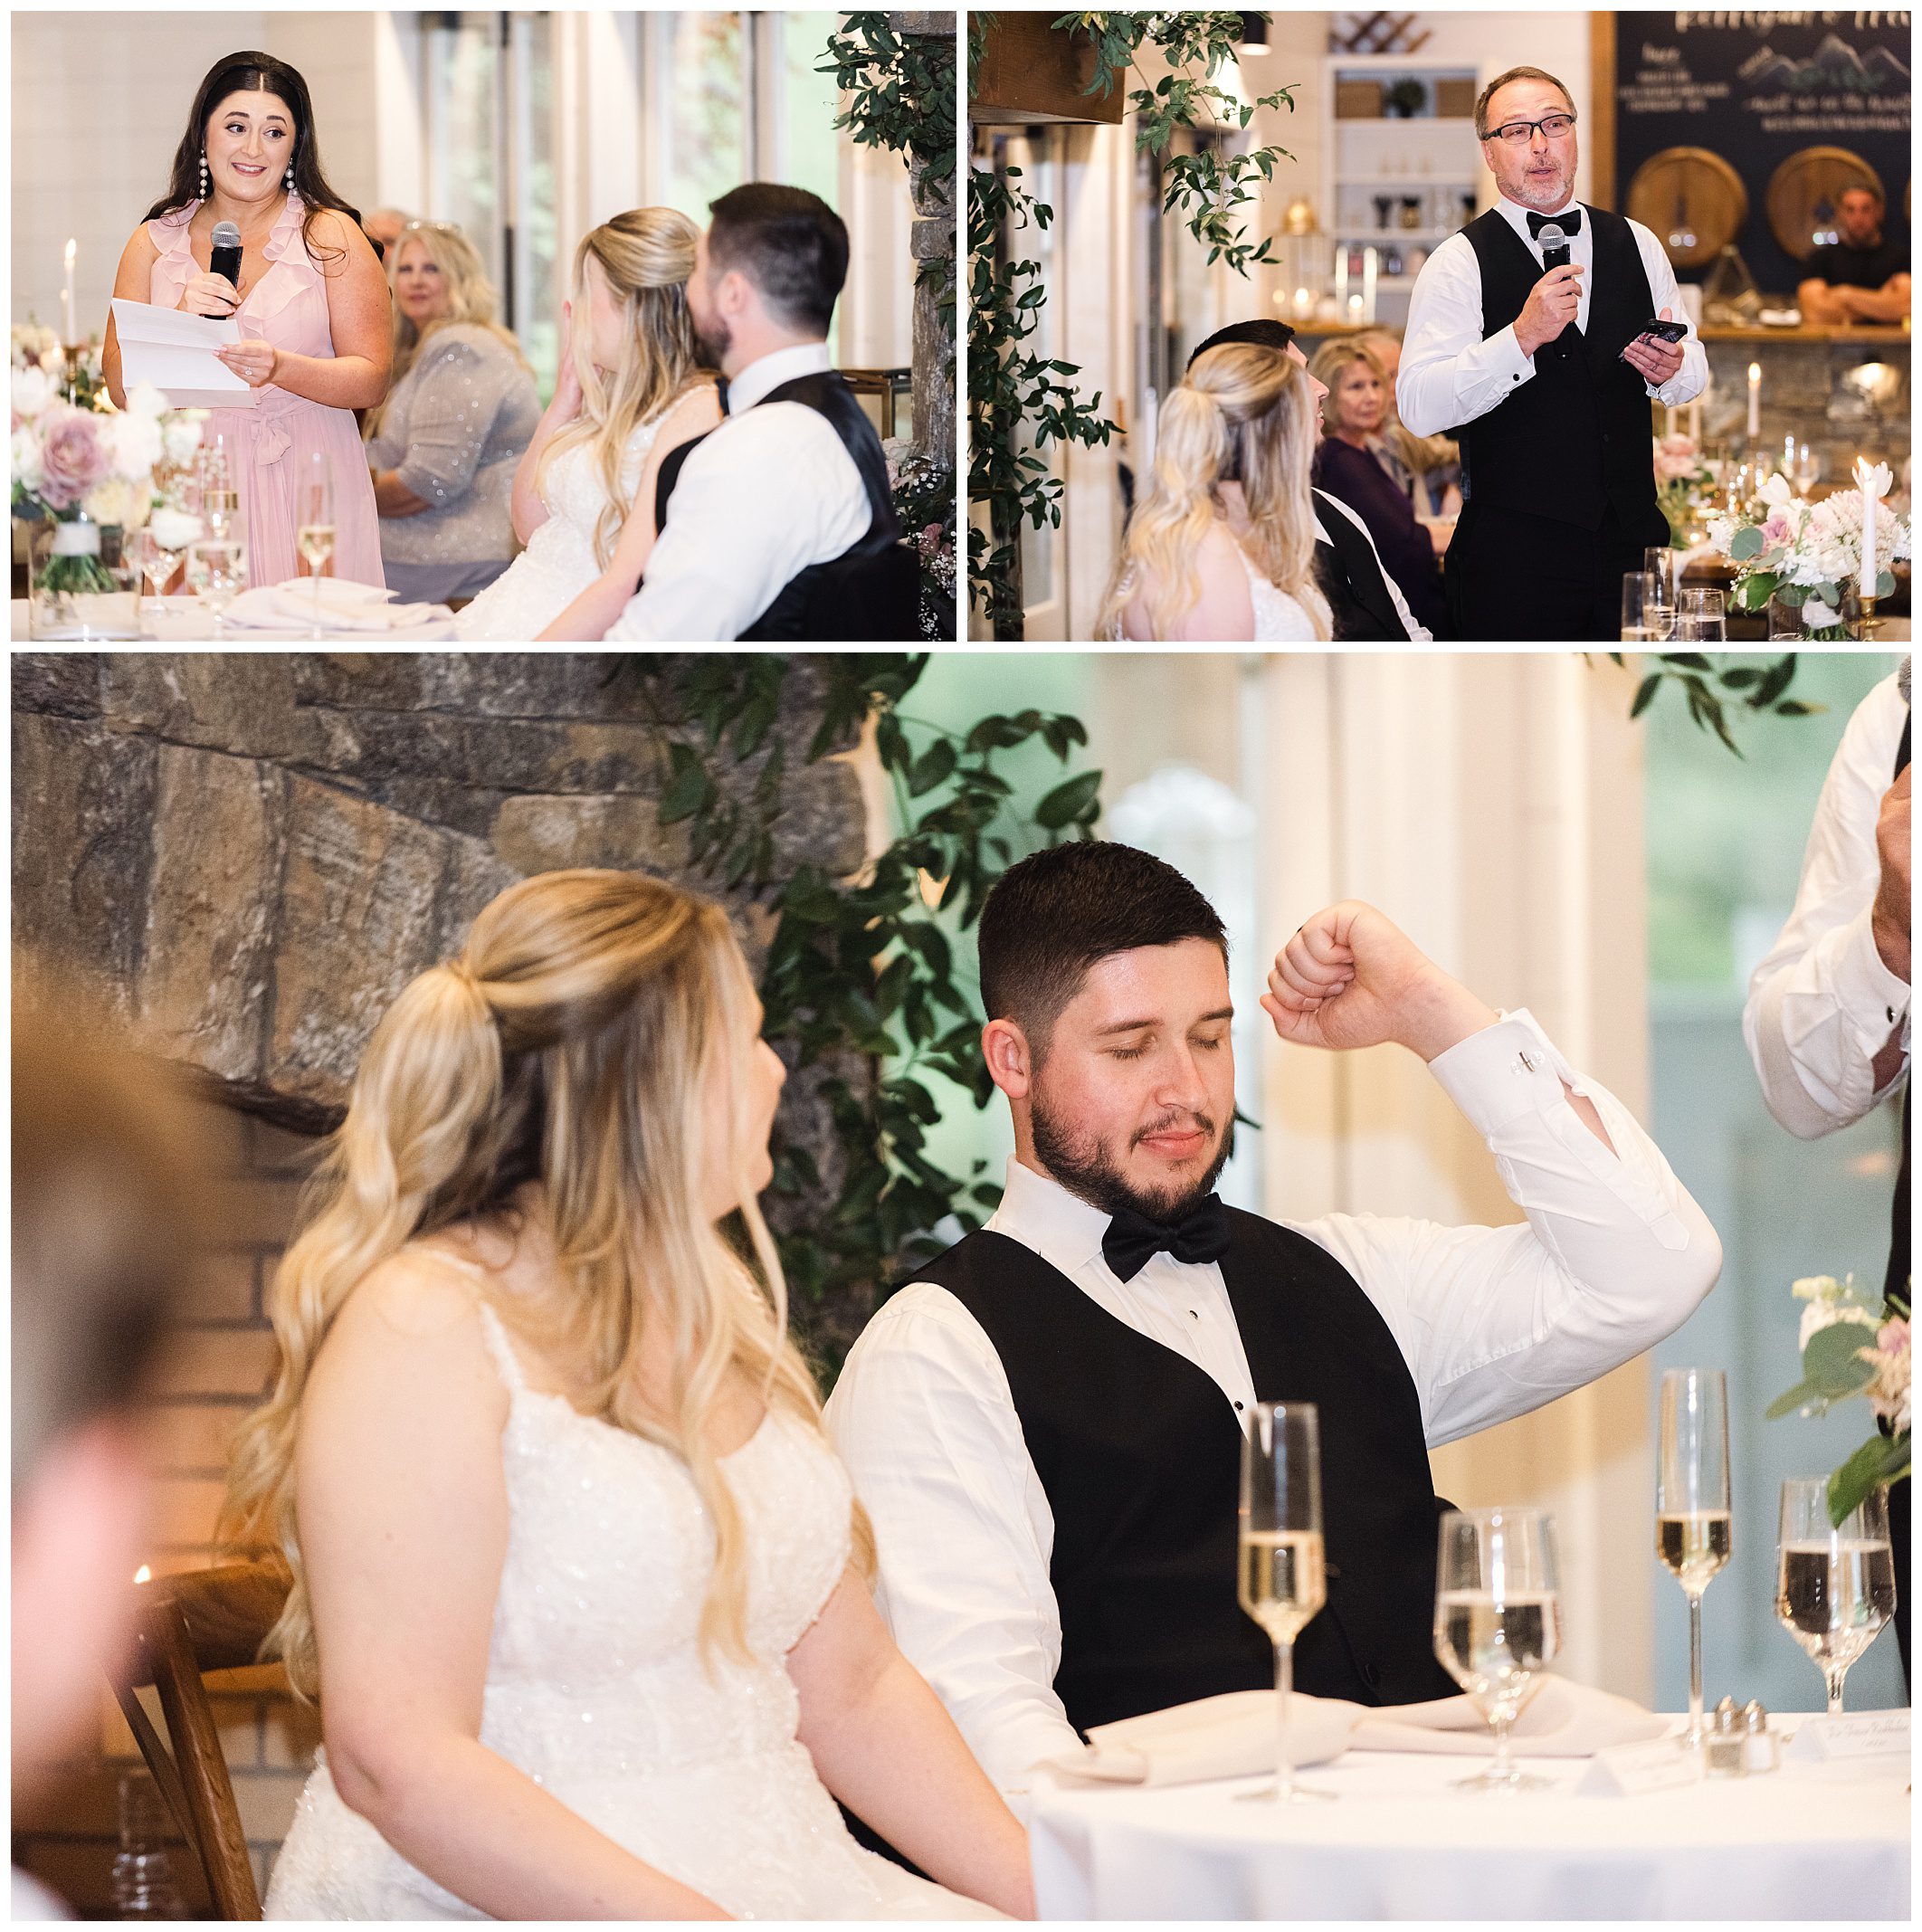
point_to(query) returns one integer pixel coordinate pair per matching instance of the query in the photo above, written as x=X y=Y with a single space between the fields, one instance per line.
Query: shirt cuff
x=1504 y=1072
x=1873 y=999
x=1507 y=362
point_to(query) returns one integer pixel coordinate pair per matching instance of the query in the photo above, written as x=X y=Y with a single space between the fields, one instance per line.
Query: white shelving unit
x=1428 y=158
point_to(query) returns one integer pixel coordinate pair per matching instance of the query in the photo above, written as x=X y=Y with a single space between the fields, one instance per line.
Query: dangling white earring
x=202 y=174
x=290 y=173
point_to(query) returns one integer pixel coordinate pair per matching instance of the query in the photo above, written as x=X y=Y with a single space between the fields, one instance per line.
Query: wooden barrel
x=1691 y=201
x=1810 y=180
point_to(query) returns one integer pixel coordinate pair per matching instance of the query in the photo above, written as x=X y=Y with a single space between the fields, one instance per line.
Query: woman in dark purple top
x=1345 y=467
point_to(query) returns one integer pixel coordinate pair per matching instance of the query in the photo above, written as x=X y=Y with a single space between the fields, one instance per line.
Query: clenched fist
x=1351 y=977
x=1552 y=305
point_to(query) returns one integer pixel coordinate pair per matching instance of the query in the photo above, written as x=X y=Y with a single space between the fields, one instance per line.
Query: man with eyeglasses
x=1526 y=343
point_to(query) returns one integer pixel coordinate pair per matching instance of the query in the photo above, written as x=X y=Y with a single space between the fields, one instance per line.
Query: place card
x=1627 y=1770
x=1866 y=1734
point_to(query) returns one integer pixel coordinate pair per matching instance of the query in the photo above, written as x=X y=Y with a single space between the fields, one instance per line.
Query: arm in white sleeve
x=1821 y=1005
x=1692 y=377
x=766 y=495
x=923 y=1418
x=1614 y=1254
x=1449 y=374
x=1327 y=504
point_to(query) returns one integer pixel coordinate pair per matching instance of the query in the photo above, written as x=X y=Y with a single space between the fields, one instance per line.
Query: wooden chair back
x=191 y=1624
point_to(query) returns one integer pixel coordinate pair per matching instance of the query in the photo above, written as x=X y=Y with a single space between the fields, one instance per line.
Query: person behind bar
x=1861 y=276
x=1532 y=354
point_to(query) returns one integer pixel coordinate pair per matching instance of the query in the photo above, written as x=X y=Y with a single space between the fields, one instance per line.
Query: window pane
x=536 y=319
x=809 y=104
x=708 y=105
x=463 y=118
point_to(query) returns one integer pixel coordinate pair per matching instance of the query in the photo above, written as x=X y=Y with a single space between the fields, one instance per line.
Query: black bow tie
x=1569 y=223
x=1132 y=1239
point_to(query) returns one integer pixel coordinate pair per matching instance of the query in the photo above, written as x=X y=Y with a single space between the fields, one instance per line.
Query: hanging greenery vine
x=1713 y=689
x=1020 y=402
x=900 y=90
x=863 y=990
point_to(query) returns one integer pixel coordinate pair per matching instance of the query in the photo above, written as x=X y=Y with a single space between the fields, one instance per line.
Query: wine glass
x=1835 y=1585
x=314 y=519
x=1698 y=617
x=1694 y=1523
x=1283 y=1573
x=1663 y=562
x=1497 y=1620
x=217 y=573
x=1641 y=609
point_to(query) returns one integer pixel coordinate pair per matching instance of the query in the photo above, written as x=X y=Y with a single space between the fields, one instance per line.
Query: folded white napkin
x=1233 y=1736
x=345 y=605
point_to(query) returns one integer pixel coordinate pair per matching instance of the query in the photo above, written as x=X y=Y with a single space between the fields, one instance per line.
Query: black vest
x=1574 y=441
x=1348 y=574
x=870 y=593
x=1139 y=1454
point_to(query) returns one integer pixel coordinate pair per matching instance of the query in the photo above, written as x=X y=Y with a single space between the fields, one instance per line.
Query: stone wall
x=246 y=856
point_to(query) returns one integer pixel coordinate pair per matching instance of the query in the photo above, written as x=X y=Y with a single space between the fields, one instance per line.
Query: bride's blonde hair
x=646 y=256
x=576 y=1040
x=1244 y=414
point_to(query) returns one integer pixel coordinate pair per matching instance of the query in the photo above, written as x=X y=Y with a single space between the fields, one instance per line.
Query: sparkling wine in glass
x=315 y=521
x=1663 y=563
x=1283 y=1575
x=1498 y=1621
x=217 y=573
x=1694 y=1521
x=1835 y=1585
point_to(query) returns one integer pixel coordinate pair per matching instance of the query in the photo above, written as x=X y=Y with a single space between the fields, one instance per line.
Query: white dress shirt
x=1323 y=499
x=1493 y=1322
x=1450 y=374
x=1823 y=1004
x=768 y=492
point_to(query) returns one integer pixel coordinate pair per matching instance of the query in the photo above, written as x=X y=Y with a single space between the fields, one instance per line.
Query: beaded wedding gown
x=598 y=1688
x=558 y=562
x=1279 y=618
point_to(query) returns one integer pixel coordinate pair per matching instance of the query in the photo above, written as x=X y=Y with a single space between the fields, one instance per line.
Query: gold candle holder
x=75 y=354
x=1871 y=621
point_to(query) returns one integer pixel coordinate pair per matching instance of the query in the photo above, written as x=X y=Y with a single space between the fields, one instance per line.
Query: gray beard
x=1085 y=1169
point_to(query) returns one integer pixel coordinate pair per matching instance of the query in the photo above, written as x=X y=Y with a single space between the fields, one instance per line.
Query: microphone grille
x=226 y=235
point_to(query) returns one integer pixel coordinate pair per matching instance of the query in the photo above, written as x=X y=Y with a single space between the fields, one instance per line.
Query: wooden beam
x=1600 y=143
x=1029 y=74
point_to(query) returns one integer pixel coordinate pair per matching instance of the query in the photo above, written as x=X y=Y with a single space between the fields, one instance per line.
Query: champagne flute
x=1641 y=609
x=217 y=573
x=1283 y=1573
x=1662 y=563
x=1835 y=1585
x=314 y=519
x=1498 y=1621
x=1694 y=1522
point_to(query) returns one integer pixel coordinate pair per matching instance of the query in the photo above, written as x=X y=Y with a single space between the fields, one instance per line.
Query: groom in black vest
x=1045 y=1426
x=1526 y=343
x=779 y=526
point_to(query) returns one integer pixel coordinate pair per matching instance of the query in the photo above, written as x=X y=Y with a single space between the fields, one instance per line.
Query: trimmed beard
x=714 y=347
x=1085 y=1168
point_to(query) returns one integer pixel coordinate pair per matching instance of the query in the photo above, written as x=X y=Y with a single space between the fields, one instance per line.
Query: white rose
x=27 y=471
x=133 y=444
x=144 y=400
x=175 y=530
x=33 y=390
x=180 y=434
x=118 y=502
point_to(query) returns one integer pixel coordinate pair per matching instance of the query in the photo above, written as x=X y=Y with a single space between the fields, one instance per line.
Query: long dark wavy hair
x=250 y=73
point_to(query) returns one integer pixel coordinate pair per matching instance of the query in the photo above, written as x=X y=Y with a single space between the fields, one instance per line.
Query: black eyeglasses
x=1515 y=132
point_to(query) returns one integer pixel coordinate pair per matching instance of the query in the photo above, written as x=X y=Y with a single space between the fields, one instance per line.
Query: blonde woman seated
x=581 y=1585
x=630 y=390
x=1221 y=548
x=1427 y=469
x=444 y=446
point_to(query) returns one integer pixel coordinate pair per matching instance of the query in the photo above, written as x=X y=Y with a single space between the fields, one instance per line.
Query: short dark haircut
x=1054 y=914
x=789 y=243
x=1261 y=332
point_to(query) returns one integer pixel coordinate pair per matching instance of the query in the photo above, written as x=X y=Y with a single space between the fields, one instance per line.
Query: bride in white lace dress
x=628 y=391
x=579 y=1582
x=1221 y=547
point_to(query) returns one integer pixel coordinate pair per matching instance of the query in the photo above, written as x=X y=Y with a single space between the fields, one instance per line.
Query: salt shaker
x=1726 y=1742
x=1765 y=1748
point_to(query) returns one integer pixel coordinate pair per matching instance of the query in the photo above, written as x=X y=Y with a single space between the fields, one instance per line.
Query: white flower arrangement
x=1805 y=553
x=1850 y=1347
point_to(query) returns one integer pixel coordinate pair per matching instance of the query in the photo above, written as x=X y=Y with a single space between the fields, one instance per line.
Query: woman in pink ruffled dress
x=315 y=322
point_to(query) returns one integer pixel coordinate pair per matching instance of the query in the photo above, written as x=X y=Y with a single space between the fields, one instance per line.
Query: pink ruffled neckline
x=177 y=266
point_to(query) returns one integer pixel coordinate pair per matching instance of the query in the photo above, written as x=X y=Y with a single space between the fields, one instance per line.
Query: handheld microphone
x=224 y=258
x=1554 y=239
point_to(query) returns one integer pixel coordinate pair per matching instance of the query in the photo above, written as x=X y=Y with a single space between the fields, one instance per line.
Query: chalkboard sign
x=1757 y=88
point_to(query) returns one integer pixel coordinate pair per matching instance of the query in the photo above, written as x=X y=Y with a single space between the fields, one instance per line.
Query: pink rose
x=72 y=457
x=1776 y=530
x=1894 y=1338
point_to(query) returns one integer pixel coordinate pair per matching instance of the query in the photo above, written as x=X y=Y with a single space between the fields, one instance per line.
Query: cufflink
x=1527 y=1063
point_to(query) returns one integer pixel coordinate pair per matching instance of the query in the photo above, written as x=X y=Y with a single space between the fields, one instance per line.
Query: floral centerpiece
x=1684 y=487
x=1804 y=554
x=79 y=472
x=1849 y=1346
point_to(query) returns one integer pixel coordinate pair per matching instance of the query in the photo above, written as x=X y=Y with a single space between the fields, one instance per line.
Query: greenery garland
x=865 y=998
x=1712 y=688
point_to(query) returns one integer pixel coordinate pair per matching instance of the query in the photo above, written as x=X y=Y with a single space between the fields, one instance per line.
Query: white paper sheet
x=174 y=351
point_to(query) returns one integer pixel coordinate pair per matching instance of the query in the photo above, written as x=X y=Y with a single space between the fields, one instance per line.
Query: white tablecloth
x=1805 y=1842
x=185 y=623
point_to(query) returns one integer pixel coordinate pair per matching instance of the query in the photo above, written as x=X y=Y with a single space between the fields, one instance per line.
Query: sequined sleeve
x=457 y=393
